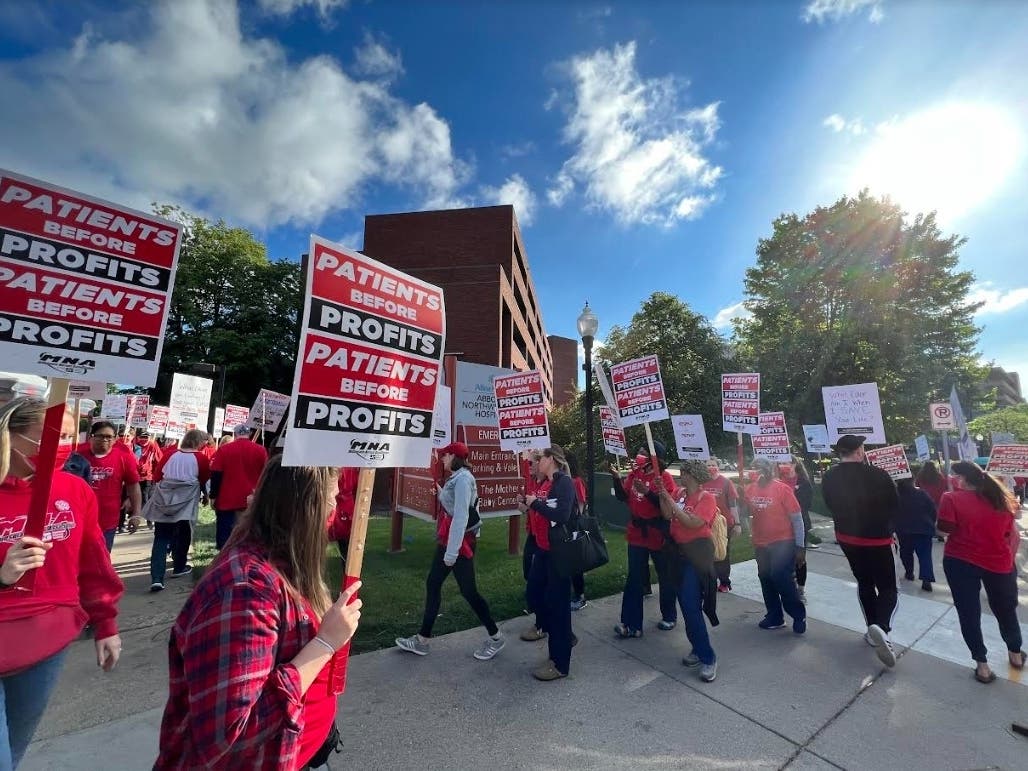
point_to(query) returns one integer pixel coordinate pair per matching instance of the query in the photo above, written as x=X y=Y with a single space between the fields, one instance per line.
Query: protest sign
x=773 y=440
x=892 y=460
x=521 y=411
x=85 y=284
x=854 y=409
x=114 y=408
x=369 y=361
x=740 y=402
x=921 y=445
x=817 y=438
x=1002 y=437
x=941 y=415
x=1008 y=460
x=219 y=421
x=138 y=410
x=82 y=389
x=965 y=444
x=639 y=391
x=613 y=434
x=690 y=437
x=190 y=401
x=268 y=410
x=604 y=384
x=158 y=422
x=441 y=417
x=235 y=416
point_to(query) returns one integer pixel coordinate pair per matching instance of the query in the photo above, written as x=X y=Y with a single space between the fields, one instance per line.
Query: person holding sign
x=980 y=551
x=249 y=653
x=863 y=501
x=74 y=579
x=779 y=542
x=457 y=535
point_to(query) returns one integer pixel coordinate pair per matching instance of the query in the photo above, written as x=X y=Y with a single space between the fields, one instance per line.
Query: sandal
x=984 y=678
x=1021 y=658
x=624 y=632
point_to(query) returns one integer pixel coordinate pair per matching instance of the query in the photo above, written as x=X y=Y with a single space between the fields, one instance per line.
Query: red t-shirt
x=770 y=507
x=640 y=507
x=110 y=475
x=935 y=491
x=725 y=494
x=700 y=504
x=538 y=525
x=240 y=463
x=982 y=536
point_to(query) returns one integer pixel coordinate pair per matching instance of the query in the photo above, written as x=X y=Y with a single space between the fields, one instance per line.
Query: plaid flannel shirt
x=234 y=700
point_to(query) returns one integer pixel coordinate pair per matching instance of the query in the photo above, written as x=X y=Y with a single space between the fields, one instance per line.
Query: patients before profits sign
x=740 y=402
x=639 y=391
x=521 y=412
x=84 y=284
x=368 y=365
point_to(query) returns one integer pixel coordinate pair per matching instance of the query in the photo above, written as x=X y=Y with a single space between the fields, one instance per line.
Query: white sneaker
x=883 y=647
x=803 y=595
x=413 y=644
x=490 y=647
x=156 y=586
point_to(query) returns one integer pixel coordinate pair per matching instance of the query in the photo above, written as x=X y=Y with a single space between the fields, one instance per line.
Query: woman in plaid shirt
x=249 y=686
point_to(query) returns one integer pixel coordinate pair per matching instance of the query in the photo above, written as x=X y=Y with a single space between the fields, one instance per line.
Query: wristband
x=325 y=644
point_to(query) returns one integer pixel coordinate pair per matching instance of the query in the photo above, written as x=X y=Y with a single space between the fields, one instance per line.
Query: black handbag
x=578 y=547
x=333 y=743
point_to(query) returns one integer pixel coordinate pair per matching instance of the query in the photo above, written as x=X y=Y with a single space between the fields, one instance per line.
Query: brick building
x=478 y=258
x=565 y=368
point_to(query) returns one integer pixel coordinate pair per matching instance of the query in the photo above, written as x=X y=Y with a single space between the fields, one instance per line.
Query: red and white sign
x=138 y=410
x=1008 y=460
x=368 y=365
x=613 y=435
x=892 y=460
x=773 y=440
x=942 y=416
x=235 y=416
x=521 y=411
x=268 y=410
x=158 y=422
x=85 y=284
x=639 y=391
x=740 y=402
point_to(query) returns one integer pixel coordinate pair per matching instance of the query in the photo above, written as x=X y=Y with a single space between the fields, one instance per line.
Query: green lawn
x=394 y=591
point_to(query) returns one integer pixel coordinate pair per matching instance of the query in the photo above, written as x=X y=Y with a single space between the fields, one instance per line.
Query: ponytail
x=987 y=486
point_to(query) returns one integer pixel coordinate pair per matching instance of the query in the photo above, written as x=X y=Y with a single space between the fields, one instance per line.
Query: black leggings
x=464 y=571
x=875 y=571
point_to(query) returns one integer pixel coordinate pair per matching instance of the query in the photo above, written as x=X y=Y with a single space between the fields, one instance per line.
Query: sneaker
x=708 y=672
x=926 y=586
x=532 y=634
x=548 y=672
x=799 y=625
x=883 y=647
x=414 y=644
x=803 y=594
x=490 y=647
x=724 y=588
x=184 y=572
x=692 y=660
x=578 y=603
x=666 y=626
x=625 y=632
x=156 y=586
x=120 y=531
x=868 y=640
x=813 y=540
x=769 y=623
x=908 y=576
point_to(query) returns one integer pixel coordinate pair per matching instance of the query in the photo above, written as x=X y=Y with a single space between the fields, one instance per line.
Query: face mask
x=64 y=450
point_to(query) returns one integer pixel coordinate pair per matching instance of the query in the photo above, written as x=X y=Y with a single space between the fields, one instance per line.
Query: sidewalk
x=820 y=701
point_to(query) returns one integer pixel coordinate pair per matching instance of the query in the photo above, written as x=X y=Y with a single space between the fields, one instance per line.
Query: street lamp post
x=587 y=326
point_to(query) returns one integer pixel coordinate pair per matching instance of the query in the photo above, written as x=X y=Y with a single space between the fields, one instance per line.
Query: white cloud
x=637 y=154
x=997 y=300
x=288 y=7
x=724 y=317
x=517 y=192
x=352 y=240
x=518 y=149
x=834 y=10
x=376 y=61
x=191 y=110
x=839 y=124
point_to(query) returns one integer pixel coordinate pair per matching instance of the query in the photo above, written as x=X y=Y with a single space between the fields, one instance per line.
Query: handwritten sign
x=690 y=437
x=854 y=409
x=817 y=438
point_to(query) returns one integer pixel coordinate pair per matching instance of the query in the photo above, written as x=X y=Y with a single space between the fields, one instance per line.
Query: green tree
x=1013 y=420
x=857 y=292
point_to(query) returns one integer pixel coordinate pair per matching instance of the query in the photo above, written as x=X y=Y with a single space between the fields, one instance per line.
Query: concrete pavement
x=819 y=701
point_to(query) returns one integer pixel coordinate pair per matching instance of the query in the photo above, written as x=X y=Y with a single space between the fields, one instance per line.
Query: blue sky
x=645 y=146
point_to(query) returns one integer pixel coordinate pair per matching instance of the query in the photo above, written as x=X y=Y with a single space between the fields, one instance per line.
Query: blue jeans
x=690 y=598
x=635 y=585
x=226 y=522
x=551 y=595
x=175 y=537
x=921 y=545
x=23 y=699
x=109 y=538
x=776 y=569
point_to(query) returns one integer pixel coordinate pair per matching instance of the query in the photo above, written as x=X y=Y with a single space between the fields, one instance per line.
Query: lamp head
x=587 y=323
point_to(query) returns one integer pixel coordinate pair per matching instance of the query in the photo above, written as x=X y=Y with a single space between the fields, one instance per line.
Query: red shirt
x=700 y=504
x=725 y=494
x=341 y=519
x=538 y=525
x=77 y=573
x=240 y=463
x=579 y=490
x=110 y=475
x=640 y=507
x=770 y=507
x=935 y=491
x=152 y=455
x=983 y=536
x=234 y=699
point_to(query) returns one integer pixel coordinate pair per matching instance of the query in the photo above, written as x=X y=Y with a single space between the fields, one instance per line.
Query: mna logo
x=68 y=365
x=370 y=450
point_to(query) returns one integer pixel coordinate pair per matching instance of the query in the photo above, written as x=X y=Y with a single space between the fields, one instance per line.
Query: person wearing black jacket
x=863 y=503
x=915 y=528
x=559 y=505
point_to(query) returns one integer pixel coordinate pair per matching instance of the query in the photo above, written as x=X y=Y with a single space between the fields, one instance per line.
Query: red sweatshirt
x=77 y=573
x=240 y=463
x=110 y=475
x=341 y=519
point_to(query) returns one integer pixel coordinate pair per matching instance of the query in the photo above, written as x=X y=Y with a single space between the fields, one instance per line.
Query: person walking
x=578 y=600
x=150 y=456
x=779 y=544
x=862 y=500
x=249 y=684
x=727 y=499
x=457 y=537
x=934 y=483
x=538 y=528
x=74 y=579
x=235 y=469
x=803 y=489
x=646 y=536
x=979 y=518
x=915 y=530
x=690 y=511
x=174 y=505
x=115 y=472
